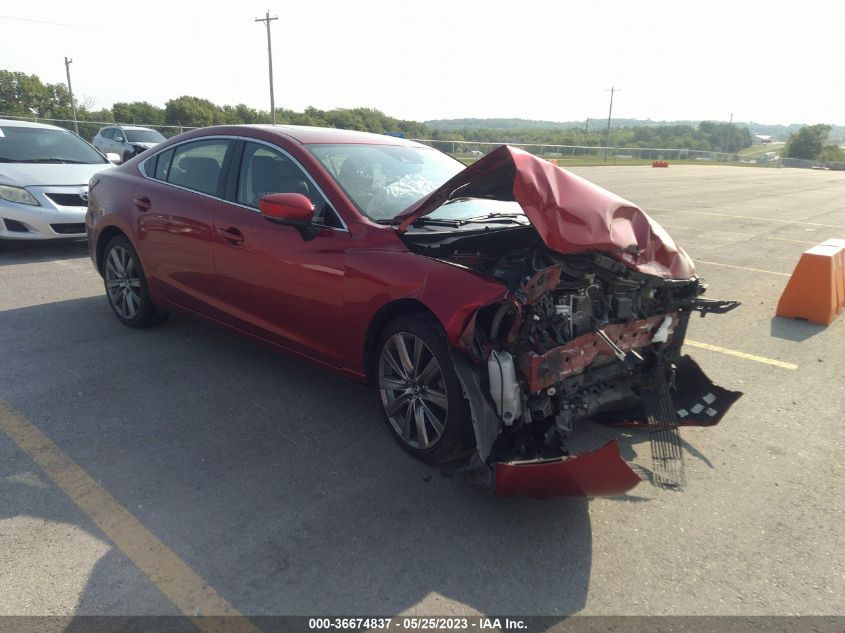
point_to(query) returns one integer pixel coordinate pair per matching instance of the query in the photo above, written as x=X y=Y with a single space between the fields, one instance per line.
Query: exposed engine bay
x=578 y=337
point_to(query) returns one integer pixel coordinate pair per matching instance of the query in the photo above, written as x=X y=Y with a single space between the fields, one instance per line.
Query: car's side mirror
x=293 y=209
x=113 y=158
x=119 y=139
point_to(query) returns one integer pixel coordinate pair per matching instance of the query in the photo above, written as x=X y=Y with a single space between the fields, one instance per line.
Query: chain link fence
x=589 y=155
x=88 y=129
x=469 y=151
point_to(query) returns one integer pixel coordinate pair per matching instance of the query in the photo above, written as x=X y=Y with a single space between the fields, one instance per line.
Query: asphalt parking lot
x=276 y=485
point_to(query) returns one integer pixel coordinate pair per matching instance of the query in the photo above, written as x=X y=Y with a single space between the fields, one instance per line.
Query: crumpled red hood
x=570 y=214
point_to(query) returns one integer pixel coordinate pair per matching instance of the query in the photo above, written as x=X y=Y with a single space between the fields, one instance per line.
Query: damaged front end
x=586 y=332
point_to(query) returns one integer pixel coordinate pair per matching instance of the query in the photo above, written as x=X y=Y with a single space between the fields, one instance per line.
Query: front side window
x=265 y=170
x=20 y=144
x=107 y=133
x=384 y=180
x=198 y=166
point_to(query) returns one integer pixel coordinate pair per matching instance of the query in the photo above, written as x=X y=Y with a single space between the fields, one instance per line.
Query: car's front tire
x=418 y=392
x=126 y=285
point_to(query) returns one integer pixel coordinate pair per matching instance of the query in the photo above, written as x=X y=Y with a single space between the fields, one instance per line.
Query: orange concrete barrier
x=660 y=163
x=553 y=161
x=816 y=290
x=840 y=279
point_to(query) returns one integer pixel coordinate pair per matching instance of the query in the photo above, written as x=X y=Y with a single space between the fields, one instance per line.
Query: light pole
x=730 y=129
x=612 y=90
x=68 y=62
x=267 y=21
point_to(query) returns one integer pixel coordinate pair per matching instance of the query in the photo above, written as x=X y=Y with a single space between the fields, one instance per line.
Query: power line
x=267 y=21
x=69 y=26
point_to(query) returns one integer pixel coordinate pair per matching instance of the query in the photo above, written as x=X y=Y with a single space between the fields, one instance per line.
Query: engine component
x=504 y=388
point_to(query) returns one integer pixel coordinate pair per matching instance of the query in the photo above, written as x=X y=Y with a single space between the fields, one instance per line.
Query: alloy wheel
x=413 y=390
x=123 y=282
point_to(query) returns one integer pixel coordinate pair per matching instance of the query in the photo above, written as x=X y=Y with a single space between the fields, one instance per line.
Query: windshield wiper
x=53 y=160
x=503 y=218
x=424 y=220
x=438 y=222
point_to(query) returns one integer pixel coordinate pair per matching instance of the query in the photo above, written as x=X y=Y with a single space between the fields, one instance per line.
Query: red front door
x=270 y=281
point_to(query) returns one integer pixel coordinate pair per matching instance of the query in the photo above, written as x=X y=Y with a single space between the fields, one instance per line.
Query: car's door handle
x=143 y=204
x=231 y=235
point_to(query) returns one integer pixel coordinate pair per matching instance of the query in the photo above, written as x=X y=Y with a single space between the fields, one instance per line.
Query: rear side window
x=162 y=167
x=198 y=166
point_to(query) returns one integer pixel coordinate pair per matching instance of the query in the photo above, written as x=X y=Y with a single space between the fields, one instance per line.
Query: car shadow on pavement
x=276 y=481
x=25 y=252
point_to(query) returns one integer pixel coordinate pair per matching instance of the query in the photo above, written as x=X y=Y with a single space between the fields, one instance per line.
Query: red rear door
x=175 y=214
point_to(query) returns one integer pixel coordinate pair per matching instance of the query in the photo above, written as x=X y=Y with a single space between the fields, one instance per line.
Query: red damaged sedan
x=494 y=308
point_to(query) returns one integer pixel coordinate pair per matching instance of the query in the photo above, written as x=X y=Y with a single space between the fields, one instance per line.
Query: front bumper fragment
x=599 y=473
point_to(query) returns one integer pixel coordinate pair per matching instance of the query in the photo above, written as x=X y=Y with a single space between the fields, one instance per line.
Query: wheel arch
x=105 y=236
x=382 y=317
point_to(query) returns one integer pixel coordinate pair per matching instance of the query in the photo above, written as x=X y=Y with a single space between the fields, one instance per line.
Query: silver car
x=44 y=174
x=126 y=140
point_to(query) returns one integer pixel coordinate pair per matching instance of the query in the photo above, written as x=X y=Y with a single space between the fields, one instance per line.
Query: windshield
x=44 y=145
x=384 y=180
x=143 y=136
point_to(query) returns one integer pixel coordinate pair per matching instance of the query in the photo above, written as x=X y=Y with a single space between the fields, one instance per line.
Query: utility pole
x=267 y=21
x=609 y=114
x=68 y=62
x=730 y=129
x=586 y=129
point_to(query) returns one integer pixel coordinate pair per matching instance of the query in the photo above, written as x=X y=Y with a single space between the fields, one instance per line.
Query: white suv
x=126 y=140
x=44 y=174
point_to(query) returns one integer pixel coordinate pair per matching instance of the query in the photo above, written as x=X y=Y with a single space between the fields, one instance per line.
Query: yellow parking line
x=754 y=270
x=170 y=574
x=733 y=352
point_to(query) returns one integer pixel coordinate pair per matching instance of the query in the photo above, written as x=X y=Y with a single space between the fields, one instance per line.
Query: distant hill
x=532 y=124
x=777 y=131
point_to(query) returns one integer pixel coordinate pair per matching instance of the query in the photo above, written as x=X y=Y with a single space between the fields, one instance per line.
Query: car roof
x=131 y=127
x=14 y=123
x=326 y=135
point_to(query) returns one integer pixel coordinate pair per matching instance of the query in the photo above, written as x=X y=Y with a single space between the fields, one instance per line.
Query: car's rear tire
x=418 y=393
x=126 y=285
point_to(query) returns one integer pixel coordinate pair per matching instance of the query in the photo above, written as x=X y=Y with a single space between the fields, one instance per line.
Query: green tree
x=808 y=142
x=190 y=112
x=832 y=154
x=20 y=94
x=138 y=112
